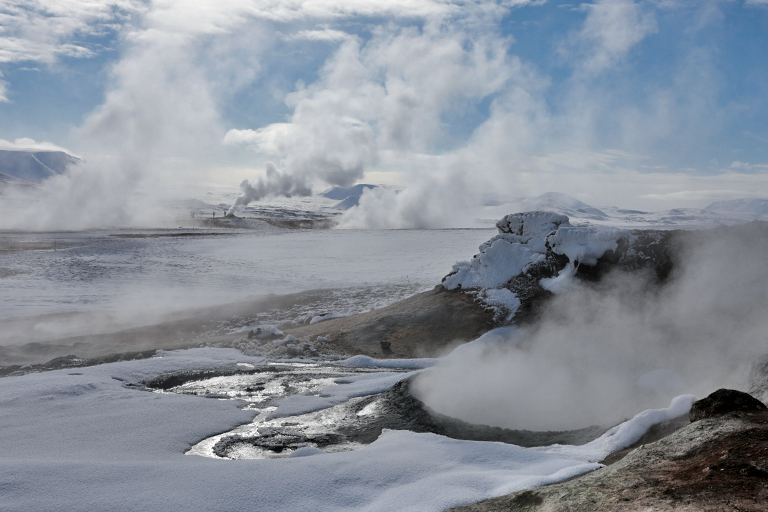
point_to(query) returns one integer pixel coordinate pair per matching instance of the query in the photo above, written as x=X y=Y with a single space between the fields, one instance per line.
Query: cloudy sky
x=648 y=104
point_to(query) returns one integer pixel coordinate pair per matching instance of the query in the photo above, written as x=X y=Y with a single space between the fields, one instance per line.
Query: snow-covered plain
x=134 y=269
x=83 y=440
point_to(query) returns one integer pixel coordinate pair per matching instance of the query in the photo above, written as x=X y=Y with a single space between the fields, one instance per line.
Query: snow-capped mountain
x=33 y=166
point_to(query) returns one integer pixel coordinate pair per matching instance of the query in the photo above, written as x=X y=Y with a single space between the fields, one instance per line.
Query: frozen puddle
x=302 y=407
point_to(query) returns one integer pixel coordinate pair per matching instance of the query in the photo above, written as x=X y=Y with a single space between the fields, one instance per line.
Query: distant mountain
x=339 y=193
x=721 y=213
x=752 y=207
x=34 y=166
x=348 y=203
x=7 y=178
x=561 y=203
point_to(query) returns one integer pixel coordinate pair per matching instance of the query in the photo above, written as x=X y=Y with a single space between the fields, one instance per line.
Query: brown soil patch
x=425 y=325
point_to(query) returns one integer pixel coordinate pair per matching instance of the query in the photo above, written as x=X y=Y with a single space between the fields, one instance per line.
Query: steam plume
x=603 y=352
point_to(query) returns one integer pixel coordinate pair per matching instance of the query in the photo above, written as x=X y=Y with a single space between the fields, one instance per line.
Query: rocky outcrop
x=725 y=401
x=537 y=254
x=712 y=464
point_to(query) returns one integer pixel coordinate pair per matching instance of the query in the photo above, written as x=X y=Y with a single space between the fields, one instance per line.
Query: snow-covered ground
x=135 y=270
x=84 y=440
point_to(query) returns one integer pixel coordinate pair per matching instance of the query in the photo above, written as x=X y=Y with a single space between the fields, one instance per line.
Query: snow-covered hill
x=580 y=213
x=33 y=166
x=339 y=193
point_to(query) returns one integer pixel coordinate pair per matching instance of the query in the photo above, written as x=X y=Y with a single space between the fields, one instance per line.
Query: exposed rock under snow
x=533 y=243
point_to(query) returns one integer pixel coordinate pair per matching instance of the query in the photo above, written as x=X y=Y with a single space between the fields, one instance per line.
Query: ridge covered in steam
x=604 y=322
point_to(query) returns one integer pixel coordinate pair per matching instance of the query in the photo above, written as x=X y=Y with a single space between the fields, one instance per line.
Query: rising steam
x=603 y=352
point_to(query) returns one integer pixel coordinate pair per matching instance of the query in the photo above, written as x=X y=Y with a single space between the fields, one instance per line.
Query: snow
x=362 y=361
x=495 y=265
x=562 y=282
x=586 y=244
x=504 y=300
x=342 y=391
x=734 y=211
x=522 y=242
x=625 y=434
x=750 y=208
x=85 y=441
x=147 y=270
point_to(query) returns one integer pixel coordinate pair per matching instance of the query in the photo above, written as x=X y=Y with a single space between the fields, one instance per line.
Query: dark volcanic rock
x=724 y=401
x=711 y=465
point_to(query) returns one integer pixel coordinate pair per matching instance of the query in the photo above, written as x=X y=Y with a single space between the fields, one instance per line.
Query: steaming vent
x=597 y=323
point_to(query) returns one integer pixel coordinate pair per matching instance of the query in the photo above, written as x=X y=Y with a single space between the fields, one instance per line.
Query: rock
x=724 y=401
x=710 y=465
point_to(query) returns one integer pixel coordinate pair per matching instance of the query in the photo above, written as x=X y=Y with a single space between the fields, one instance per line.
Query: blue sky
x=649 y=104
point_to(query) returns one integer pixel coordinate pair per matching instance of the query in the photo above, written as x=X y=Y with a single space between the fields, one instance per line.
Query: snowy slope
x=34 y=166
x=339 y=193
x=753 y=208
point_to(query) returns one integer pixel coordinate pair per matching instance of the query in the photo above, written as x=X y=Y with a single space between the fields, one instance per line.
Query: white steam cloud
x=439 y=92
x=604 y=352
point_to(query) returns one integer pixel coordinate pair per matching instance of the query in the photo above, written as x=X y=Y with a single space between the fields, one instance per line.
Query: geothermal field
x=383 y=255
x=144 y=368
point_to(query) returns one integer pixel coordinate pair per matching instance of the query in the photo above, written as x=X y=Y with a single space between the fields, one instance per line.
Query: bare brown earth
x=426 y=324
x=716 y=464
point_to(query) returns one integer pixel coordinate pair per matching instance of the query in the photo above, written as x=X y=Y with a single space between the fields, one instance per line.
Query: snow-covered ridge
x=735 y=211
x=530 y=243
x=34 y=166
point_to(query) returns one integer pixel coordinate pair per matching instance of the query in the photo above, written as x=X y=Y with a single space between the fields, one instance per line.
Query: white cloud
x=325 y=34
x=42 y=31
x=3 y=90
x=747 y=167
x=611 y=29
x=23 y=144
x=383 y=100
